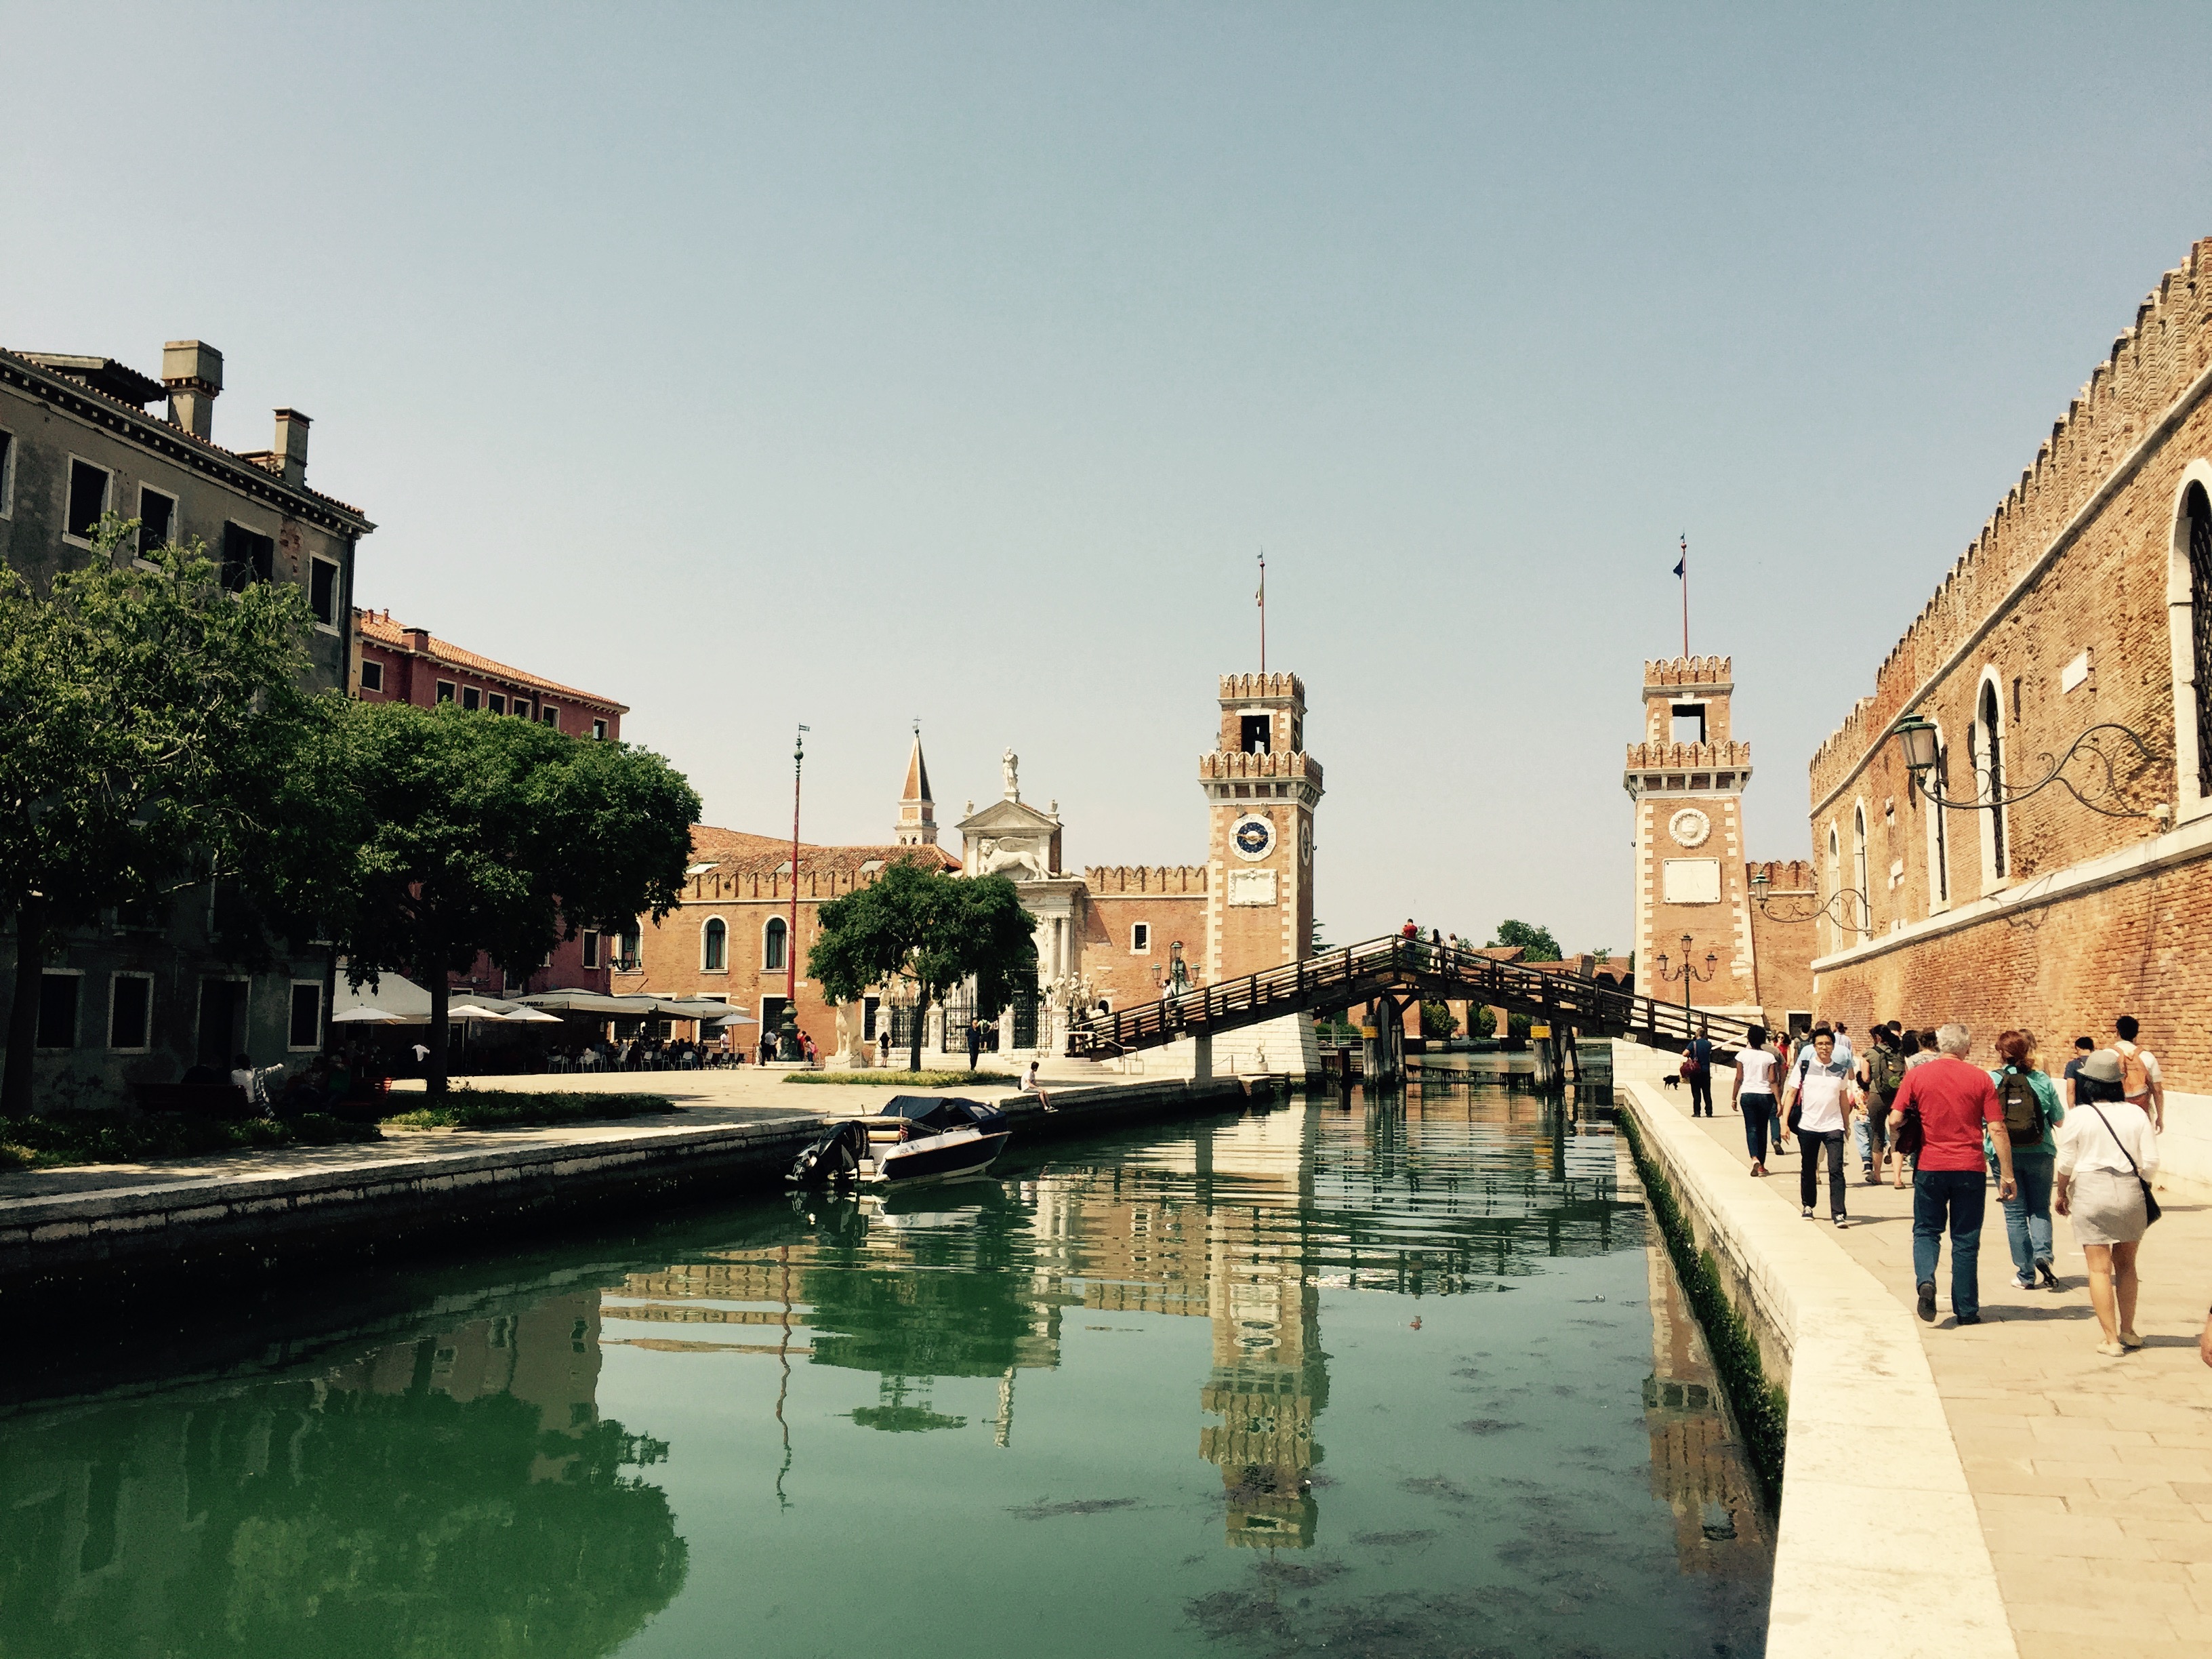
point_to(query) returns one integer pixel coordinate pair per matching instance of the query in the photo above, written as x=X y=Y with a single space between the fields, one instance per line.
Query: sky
x=859 y=365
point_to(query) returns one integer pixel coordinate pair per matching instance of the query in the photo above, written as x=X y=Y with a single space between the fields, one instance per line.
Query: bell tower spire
x=917 y=813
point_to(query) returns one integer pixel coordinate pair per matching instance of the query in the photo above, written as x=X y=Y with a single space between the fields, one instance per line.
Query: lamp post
x=1760 y=881
x=1687 y=973
x=787 y=1040
x=1921 y=746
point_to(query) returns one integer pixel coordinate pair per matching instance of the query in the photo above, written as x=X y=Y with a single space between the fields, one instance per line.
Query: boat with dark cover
x=913 y=1138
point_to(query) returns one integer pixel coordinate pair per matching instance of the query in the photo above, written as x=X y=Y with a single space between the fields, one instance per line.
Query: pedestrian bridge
x=1402 y=971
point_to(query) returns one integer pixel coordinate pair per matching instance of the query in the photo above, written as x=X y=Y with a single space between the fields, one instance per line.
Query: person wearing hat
x=2103 y=1164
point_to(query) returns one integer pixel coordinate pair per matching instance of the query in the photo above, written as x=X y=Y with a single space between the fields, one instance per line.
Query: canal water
x=1404 y=1377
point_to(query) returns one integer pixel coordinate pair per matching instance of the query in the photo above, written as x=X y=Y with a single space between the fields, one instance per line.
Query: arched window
x=714 y=946
x=2197 y=510
x=1939 y=834
x=773 y=941
x=1835 y=884
x=1862 y=910
x=1986 y=736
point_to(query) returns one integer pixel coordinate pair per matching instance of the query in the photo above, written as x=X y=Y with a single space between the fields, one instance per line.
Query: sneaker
x=2110 y=1350
x=2025 y=1283
x=1927 y=1306
x=2049 y=1278
x=1842 y=1220
x=2130 y=1340
x=1970 y=1319
x=1809 y=1212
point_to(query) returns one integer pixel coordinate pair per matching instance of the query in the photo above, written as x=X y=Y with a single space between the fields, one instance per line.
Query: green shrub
x=499 y=1109
x=53 y=1139
x=1761 y=1408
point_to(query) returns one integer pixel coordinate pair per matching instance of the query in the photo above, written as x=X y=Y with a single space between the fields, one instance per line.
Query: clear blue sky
x=853 y=364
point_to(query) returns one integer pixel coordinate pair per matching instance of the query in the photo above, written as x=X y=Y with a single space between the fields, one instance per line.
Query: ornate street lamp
x=1917 y=741
x=1687 y=973
x=1760 y=881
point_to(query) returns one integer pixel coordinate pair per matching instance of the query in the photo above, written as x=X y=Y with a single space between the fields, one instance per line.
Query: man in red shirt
x=1954 y=1100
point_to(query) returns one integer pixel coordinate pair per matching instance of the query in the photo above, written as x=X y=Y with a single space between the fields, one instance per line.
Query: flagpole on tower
x=1263 y=613
x=1683 y=571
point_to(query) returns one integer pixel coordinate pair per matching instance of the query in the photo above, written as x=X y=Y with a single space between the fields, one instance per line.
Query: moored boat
x=913 y=1138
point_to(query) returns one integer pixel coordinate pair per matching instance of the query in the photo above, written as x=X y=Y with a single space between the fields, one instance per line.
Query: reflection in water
x=458 y=1494
x=1520 y=1458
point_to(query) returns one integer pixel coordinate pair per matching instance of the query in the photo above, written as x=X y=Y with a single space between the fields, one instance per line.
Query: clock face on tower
x=1252 y=837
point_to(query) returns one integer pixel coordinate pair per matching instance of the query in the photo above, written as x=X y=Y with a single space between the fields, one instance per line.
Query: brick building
x=147 y=995
x=394 y=662
x=398 y=664
x=2082 y=610
x=1112 y=934
x=1748 y=945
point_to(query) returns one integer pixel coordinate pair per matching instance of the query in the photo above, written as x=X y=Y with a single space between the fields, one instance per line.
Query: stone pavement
x=2092 y=1477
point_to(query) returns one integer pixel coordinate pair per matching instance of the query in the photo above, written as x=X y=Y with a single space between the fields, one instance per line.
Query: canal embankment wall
x=1878 y=1545
x=389 y=1198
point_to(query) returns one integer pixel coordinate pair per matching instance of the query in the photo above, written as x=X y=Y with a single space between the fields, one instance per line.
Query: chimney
x=192 y=371
x=292 y=446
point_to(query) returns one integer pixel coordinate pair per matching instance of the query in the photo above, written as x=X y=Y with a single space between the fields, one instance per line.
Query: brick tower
x=1260 y=788
x=1688 y=778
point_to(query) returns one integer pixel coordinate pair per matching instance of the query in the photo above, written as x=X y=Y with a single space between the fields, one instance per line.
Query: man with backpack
x=1885 y=1071
x=2139 y=1074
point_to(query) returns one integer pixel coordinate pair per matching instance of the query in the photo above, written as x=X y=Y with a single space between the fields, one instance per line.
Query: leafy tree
x=158 y=738
x=1438 y=1022
x=920 y=924
x=483 y=833
x=1536 y=942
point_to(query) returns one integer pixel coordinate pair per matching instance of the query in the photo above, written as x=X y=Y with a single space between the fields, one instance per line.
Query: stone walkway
x=2092 y=1477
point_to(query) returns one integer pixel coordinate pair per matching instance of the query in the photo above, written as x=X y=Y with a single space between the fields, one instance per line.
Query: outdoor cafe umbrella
x=473 y=1010
x=532 y=1017
x=365 y=1015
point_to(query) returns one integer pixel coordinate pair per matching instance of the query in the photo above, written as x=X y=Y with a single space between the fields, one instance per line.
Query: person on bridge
x=1697 y=1071
x=1755 y=1068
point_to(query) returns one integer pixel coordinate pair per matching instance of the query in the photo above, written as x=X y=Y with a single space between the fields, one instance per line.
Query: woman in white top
x=1821 y=1088
x=2106 y=1155
x=1755 y=1066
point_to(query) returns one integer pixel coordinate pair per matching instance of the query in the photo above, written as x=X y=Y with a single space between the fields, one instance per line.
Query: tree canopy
x=1537 y=942
x=930 y=928
x=159 y=737
x=480 y=833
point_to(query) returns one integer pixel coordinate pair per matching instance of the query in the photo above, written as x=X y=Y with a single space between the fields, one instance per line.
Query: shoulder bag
x=2151 y=1212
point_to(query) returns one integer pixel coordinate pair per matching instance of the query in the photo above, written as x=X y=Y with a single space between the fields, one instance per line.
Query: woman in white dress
x=2107 y=1154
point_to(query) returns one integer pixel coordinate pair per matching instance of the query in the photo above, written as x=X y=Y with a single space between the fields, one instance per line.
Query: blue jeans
x=1961 y=1194
x=2027 y=1212
x=1758 y=1124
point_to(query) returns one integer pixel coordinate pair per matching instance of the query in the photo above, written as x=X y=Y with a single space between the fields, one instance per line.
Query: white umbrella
x=365 y=1015
x=473 y=1010
x=532 y=1016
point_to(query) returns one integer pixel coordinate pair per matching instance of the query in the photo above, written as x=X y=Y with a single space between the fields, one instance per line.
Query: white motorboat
x=915 y=1137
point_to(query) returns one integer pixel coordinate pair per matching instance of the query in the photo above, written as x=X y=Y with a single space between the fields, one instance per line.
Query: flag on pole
x=1682 y=565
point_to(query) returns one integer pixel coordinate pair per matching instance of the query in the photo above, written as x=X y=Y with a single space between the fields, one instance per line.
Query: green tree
x=159 y=737
x=480 y=833
x=1438 y=1022
x=930 y=929
x=1536 y=942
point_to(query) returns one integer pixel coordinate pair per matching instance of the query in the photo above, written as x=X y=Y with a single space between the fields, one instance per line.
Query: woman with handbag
x=1757 y=1067
x=2104 y=1171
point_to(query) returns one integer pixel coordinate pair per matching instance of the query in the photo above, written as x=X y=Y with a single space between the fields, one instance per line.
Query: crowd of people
x=1910 y=1102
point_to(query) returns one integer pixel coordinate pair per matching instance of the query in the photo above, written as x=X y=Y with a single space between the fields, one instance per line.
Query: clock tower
x=1687 y=779
x=1262 y=788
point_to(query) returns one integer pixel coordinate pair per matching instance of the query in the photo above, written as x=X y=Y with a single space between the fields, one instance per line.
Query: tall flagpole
x=1263 y=615
x=1683 y=571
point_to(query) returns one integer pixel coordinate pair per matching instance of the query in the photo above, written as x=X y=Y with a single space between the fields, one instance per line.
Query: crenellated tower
x=1687 y=779
x=1260 y=788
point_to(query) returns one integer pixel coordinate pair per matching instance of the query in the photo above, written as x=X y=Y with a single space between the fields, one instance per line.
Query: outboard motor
x=836 y=1156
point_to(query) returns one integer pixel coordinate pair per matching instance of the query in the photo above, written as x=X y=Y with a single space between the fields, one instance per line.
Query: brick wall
x=1783 y=941
x=2076 y=559
x=1170 y=900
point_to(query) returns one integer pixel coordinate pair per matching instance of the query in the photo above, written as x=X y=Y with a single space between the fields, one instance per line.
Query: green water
x=1394 y=1379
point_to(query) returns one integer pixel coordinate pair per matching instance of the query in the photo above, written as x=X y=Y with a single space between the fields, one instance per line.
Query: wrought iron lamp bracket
x=2055 y=772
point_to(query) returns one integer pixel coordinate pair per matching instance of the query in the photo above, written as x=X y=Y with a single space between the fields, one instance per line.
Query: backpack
x=2023 y=1108
x=1886 y=1071
x=2135 y=1076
